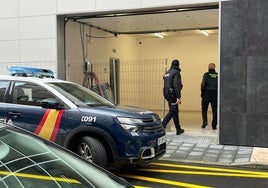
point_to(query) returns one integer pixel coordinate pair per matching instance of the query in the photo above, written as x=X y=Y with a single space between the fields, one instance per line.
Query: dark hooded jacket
x=172 y=82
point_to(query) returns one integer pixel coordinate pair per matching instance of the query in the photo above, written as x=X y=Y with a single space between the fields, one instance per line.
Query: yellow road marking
x=166 y=182
x=195 y=170
x=211 y=169
x=205 y=173
x=40 y=177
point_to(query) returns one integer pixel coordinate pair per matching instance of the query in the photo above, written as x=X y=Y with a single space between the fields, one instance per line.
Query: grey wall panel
x=243 y=74
x=234 y=28
x=233 y=131
x=257 y=126
x=257 y=85
x=233 y=85
x=257 y=27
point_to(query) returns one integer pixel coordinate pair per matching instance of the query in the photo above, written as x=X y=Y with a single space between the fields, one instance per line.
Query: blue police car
x=80 y=120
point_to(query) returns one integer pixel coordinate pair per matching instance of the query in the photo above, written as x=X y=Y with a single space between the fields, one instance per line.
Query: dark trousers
x=172 y=113
x=209 y=97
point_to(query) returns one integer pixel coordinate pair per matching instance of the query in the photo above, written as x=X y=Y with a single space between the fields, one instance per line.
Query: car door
x=25 y=110
x=4 y=84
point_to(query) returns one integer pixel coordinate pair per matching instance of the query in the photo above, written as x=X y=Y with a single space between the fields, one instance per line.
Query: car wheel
x=92 y=150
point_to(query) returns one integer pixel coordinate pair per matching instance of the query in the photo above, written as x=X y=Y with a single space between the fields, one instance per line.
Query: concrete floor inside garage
x=191 y=122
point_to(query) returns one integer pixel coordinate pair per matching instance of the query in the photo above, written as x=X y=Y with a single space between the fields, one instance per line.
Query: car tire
x=92 y=150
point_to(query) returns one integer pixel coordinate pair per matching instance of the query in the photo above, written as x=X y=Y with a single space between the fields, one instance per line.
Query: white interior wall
x=194 y=53
x=96 y=49
x=74 y=55
x=124 y=46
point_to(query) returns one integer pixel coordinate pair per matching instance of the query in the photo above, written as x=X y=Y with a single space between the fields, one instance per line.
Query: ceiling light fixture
x=204 y=32
x=159 y=35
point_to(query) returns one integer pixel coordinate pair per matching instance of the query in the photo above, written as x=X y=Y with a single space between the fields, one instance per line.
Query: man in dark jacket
x=172 y=93
x=209 y=87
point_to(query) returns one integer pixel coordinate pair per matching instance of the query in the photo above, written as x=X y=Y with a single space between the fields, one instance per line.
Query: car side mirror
x=51 y=103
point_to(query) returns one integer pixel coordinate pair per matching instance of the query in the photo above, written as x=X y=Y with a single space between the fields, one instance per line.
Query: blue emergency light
x=30 y=72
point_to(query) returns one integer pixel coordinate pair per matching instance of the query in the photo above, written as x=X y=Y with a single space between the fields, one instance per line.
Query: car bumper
x=145 y=155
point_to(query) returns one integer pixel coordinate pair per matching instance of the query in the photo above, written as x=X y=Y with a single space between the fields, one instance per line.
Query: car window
x=3 y=87
x=29 y=94
x=80 y=95
x=27 y=162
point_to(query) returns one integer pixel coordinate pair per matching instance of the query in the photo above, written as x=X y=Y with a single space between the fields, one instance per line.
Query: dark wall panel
x=244 y=73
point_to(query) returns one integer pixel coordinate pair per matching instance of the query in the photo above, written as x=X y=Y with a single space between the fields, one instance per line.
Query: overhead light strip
x=159 y=35
x=204 y=32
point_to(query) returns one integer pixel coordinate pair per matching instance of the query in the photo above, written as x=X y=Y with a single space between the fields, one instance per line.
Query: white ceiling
x=169 y=23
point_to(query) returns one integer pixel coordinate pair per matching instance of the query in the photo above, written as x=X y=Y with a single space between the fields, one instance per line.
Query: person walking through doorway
x=209 y=88
x=172 y=93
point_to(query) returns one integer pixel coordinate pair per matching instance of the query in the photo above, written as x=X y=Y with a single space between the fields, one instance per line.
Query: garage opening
x=130 y=51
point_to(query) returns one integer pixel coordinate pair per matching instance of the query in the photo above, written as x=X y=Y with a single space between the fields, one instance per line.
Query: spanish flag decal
x=49 y=124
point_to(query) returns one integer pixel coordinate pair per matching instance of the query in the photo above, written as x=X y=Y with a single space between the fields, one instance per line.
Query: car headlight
x=130 y=124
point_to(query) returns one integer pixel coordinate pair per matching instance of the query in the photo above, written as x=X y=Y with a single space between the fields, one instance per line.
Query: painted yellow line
x=40 y=177
x=166 y=182
x=211 y=169
x=205 y=173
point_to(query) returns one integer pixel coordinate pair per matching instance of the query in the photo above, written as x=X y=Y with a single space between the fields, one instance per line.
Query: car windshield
x=27 y=162
x=80 y=95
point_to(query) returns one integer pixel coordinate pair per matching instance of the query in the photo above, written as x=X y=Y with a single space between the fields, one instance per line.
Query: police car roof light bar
x=30 y=72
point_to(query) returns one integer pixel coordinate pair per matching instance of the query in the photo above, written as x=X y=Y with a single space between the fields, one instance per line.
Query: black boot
x=204 y=125
x=180 y=131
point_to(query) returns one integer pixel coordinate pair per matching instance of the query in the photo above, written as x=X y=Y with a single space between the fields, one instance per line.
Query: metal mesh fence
x=142 y=83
